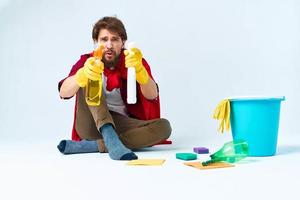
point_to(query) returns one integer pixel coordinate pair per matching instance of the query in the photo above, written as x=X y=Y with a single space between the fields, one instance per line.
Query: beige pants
x=132 y=132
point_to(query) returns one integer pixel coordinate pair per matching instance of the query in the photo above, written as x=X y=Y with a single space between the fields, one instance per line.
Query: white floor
x=39 y=171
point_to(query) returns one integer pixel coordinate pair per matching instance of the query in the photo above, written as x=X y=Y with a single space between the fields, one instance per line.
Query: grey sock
x=116 y=149
x=72 y=147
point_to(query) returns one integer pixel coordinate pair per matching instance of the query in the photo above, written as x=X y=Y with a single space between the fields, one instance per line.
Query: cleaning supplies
x=94 y=87
x=231 y=152
x=131 y=80
x=222 y=113
x=186 y=156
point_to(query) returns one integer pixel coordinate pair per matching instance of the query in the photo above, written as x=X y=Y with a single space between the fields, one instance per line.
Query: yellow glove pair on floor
x=222 y=113
x=133 y=58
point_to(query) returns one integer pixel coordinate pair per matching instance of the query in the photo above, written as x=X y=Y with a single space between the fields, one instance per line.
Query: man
x=114 y=125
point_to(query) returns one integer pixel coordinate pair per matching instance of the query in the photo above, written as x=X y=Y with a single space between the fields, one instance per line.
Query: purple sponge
x=201 y=150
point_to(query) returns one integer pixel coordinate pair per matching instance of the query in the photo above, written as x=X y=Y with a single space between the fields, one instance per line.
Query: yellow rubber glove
x=222 y=113
x=80 y=78
x=92 y=70
x=133 y=58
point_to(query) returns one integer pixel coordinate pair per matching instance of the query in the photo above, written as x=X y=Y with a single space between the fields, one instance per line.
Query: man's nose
x=108 y=44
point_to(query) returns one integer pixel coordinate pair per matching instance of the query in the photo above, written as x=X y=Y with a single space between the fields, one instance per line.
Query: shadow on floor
x=159 y=148
x=288 y=149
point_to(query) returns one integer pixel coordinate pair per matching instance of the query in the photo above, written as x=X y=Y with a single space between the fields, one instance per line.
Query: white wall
x=200 y=52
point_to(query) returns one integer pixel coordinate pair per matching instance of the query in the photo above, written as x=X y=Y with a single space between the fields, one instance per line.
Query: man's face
x=113 y=45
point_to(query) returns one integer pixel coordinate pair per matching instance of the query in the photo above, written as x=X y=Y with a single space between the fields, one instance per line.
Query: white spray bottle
x=131 y=79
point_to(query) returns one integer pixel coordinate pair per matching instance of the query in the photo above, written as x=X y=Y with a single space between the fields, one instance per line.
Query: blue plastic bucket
x=256 y=120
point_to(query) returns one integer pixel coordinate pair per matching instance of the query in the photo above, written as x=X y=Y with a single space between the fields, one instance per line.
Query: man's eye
x=103 y=39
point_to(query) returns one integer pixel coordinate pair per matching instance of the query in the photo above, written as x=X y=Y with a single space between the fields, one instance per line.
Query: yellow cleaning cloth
x=198 y=165
x=146 y=162
x=222 y=113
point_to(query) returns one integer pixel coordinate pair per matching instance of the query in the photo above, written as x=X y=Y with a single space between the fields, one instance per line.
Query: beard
x=110 y=62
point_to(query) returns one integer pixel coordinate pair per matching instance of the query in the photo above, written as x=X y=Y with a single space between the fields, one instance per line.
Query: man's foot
x=129 y=156
x=116 y=149
x=72 y=147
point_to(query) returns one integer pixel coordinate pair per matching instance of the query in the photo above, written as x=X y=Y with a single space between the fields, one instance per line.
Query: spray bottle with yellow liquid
x=94 y=88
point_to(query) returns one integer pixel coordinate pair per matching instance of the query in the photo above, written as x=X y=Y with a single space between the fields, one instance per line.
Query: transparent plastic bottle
x=93 y=90
x=231 y=152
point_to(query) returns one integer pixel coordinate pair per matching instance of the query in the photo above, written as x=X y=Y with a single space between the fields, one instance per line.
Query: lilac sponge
x=201 y=150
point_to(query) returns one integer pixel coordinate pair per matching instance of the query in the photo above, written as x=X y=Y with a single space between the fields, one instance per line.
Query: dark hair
x=112 y=24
